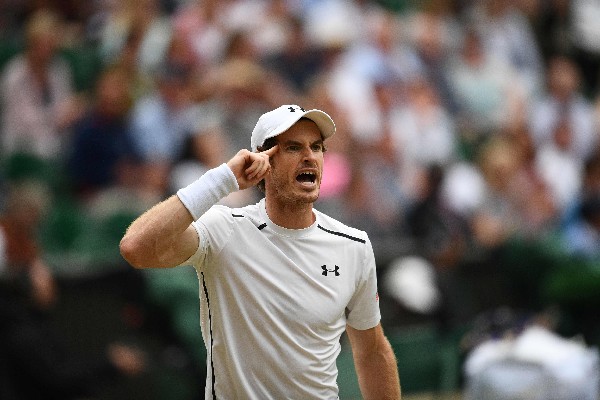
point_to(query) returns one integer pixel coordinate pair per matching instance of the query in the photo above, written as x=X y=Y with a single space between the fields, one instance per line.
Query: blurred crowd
x=467 y=145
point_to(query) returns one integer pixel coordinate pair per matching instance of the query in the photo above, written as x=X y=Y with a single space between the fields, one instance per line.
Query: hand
x=250 y=168
x=43 y=285
x=129 y=361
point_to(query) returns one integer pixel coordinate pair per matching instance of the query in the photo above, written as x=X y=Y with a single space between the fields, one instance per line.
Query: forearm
x=378 y=374
x=375 y=363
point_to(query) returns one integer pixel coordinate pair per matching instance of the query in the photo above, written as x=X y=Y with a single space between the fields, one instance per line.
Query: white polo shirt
x=274 y=302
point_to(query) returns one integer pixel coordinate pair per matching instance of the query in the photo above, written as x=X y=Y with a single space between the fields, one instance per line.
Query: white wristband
x=207 y=190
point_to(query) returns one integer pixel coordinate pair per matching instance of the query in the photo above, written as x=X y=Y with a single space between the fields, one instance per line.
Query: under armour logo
x=326 y=270
x=292 y=109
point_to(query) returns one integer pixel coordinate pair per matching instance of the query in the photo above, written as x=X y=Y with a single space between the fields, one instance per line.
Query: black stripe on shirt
x=260 y=227
x=342 y=235
x=212 y=365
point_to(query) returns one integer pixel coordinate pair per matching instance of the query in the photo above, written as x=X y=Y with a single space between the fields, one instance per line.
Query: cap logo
x=292 y=109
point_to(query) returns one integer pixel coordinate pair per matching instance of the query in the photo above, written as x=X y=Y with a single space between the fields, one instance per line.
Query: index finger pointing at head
x=271 y=151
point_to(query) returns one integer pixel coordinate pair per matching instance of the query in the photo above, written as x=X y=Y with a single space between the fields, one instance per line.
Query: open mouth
x=306 y=177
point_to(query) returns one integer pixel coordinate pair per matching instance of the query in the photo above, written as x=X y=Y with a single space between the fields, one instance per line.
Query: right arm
x=163 y=236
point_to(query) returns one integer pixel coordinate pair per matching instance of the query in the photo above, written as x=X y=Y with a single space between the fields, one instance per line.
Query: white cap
x=281 y=119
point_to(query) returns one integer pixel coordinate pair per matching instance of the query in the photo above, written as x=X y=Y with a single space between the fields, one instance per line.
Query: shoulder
x=337 y=228
x=222 y=224
x=225 y=213
x=249 y=213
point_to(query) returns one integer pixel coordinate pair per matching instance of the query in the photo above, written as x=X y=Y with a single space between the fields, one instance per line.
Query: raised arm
x=163 y=237
x=375 y=364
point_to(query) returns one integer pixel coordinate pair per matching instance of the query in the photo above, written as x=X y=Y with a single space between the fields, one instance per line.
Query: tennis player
x=280 y=282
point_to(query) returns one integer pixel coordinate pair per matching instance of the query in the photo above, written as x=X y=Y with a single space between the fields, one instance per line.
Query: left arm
x=375 y=363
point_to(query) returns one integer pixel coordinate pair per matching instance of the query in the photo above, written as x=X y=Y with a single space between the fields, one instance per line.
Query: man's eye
x=293 y=148
x=317 y=147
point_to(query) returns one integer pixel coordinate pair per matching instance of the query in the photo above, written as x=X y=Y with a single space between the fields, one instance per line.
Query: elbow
x=132 y=251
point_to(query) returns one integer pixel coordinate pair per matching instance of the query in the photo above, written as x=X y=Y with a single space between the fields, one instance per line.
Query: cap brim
x=323 y=121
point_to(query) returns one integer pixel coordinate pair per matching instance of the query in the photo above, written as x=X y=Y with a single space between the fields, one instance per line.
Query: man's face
x=297 y=167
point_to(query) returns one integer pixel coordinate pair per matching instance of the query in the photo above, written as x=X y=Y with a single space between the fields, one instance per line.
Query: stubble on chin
x=283 y=194
x=298 y=200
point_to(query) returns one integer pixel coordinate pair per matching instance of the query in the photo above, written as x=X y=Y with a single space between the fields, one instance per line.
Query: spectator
x=552 y=24
x=506 y=34
x=39 y=105
x=383 y=54
x=423 y=134
x=582 y=235
x=202 y=24
x=103 y=154
x=580 y=231
x=515 y=204
x=34 y=361
x=484 y=89
x=442 y=237
x=167 y=122
x=244 y=89
x=435 y=34
x=586 y=40
x=265 y=24
x=146 y=22
x=298 y=62
x=563 y=102
x=560 y=166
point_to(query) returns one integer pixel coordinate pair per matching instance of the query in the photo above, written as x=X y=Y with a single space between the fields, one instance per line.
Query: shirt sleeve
x=214 y=230
x=198 y=257
x=363 y=309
